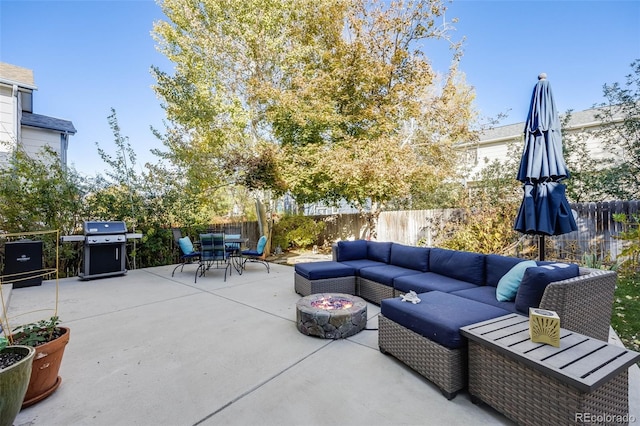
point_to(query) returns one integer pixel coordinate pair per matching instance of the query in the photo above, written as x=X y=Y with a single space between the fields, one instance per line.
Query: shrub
x=630 y=264
x=296 y=232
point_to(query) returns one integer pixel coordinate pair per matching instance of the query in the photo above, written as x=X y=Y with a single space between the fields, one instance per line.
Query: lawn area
x=626 y=311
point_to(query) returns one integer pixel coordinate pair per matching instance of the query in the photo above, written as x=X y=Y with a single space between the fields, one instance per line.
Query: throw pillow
x=536 y=280
x=185 y=245
x=510 y=282
x=497 y=265
x=261 y=243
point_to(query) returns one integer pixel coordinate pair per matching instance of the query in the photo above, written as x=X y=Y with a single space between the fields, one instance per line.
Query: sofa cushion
x=378 y=251
x=496 y=266
x=439 y=316
x=536 y=280
x=362 y=263
x=351 y=250
x=462 y=265
x=323 y=270
x=509 y=283
x=429 y=281
x=410 y=257
x=385 y=274
x=485 y=294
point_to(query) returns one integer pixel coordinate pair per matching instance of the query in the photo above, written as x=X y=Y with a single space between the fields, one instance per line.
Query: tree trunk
x=369 y=230
x=264 y=223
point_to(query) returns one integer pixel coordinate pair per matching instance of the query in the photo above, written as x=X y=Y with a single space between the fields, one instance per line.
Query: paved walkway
x=149 y=349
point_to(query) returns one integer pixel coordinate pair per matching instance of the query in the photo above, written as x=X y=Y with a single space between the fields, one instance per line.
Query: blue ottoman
x=426 y=336
x=324 y=277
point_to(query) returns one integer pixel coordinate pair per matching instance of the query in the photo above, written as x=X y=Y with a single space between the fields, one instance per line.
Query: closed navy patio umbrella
x=544 y=209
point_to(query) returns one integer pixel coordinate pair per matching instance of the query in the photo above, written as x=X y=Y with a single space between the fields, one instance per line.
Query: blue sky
x=93 y=55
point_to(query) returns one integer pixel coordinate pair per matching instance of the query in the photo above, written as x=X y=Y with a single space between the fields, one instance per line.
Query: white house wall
x=33 y=140
x=494 y=143
x=485 y=153
x=7 y=120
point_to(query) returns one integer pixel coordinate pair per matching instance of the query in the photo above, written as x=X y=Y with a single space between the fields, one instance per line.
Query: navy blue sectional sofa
x=455 y=289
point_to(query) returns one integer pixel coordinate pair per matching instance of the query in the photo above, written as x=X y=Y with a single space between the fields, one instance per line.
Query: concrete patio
x=149 y=349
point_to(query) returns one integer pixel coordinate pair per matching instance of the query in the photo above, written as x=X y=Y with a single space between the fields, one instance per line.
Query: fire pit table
x=331 y=315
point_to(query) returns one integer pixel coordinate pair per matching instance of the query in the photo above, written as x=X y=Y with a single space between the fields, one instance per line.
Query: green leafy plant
x=296 y=231
x=592 y=260
x=631 y=237
x=37 y=333
x=4 y=342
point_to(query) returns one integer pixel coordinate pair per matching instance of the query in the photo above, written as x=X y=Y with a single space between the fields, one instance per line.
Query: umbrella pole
x=541 y=247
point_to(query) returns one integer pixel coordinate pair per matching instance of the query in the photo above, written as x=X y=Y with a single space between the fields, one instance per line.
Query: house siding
x=494 y=143
x=33 y=140
x=21 y=128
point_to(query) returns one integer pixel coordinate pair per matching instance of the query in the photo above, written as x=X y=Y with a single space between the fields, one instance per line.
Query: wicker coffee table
x=583 y=381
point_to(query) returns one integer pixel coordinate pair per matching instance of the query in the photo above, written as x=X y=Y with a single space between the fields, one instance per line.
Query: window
x=26 y=99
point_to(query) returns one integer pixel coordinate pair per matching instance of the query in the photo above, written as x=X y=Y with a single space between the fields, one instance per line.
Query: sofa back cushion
x=410 y=257
x=536 y=280
x=351 y=250
x=378 y=251
x=497 y=266
x=462 y=265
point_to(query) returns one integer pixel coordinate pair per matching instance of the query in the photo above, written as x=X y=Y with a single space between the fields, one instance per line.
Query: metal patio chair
x=213 y=252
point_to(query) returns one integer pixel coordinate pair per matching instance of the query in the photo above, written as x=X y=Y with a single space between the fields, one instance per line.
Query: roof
x=44 y=122
x=12 y=74
x=579 y=119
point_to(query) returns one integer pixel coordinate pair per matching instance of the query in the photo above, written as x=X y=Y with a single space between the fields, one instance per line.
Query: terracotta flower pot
x=13 y=383
x=46 y=364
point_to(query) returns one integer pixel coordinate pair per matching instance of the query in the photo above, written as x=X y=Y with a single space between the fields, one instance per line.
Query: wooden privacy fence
x=597 y=231
x=596 y=234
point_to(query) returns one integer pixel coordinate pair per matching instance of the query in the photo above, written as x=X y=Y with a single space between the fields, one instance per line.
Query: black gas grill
x=105 y=249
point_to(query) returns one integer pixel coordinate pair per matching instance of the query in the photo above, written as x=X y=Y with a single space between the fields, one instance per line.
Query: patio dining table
x=235 y=256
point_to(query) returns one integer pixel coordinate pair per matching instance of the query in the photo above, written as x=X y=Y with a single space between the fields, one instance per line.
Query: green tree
x=116 y=195
x=39 y=193
x=143 y=200
x=227 y=55
x=620 y=134
x=387 y=126
x=488 y=209
x=583 y=185
x=327 y=100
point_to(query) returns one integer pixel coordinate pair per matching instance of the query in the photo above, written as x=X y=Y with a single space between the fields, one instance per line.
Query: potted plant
x=15 y=372
x=49 y=340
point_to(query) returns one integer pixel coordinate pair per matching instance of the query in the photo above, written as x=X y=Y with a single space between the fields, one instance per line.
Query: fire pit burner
x=331 y=316
x=332 y=303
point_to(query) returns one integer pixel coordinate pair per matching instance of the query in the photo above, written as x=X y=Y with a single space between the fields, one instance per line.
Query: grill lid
x=104 y=227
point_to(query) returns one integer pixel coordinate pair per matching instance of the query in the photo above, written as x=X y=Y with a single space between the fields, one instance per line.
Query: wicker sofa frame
x=444 y=367
x=583 y=303
x=373 y=291
x=305 y=287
